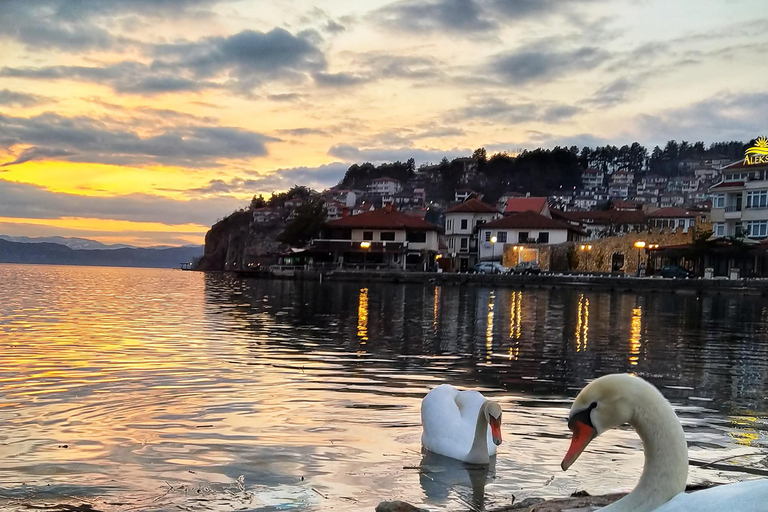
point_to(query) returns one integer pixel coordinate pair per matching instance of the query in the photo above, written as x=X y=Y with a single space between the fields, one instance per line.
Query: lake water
x=144 y=389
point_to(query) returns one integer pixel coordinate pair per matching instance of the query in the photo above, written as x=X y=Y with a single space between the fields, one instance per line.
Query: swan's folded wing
x=748 y=496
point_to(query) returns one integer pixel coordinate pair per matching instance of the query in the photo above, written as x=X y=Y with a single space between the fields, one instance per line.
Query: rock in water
x=398 y=506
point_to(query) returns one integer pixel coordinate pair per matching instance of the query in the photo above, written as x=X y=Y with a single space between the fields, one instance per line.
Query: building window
x=681 y=223
x=757 y=228
x=718 y=201
x=463 y=223
x=544 y=237
x=757 y=199
x=464 y=243
x=417 y=237
x=501 y=237
x=522 y=237
x=387 y=236
x=487 y=236
x=719 y=229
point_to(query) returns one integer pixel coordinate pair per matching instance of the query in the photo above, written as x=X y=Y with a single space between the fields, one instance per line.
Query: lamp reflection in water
x=489 y=327
x=582 y=324
x=439 y=475
x=515 y=321
x=436 y=308
x=634 y=338
x=362 y=316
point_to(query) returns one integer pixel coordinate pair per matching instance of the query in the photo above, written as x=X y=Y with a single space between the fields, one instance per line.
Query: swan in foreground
x=461 y=425
x=616 y=399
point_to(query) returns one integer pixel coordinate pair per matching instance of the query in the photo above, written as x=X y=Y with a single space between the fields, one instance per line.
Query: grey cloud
x=385 y=65
x=351 y=153
x=249 y=56
x=35 y=153
x=726 y=116
x=542 y=62
x=339 y=79
x=495 y=110
x=334 y=27
x=286 y=96
x=20 y=99
x=435 y=15
x=613 y=93
x=302 y=132
x=88 y=140
x=21 y=200
x=320 y=177
x=246 y=60
x=84 y=24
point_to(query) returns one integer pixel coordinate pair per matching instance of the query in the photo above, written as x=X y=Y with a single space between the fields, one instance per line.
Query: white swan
x=613 y=400
x=456 y=424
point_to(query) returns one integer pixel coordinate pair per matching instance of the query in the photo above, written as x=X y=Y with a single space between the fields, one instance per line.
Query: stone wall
x=597 y=255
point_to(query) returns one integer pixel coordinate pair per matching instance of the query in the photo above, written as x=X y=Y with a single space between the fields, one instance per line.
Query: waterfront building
x=523 y=230
x=379 y=239
x=524 y=204
x=740 y=201
x=461 y=231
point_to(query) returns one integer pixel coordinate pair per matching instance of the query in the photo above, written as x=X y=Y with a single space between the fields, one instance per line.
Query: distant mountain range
x=77 y=243
x=90 y=252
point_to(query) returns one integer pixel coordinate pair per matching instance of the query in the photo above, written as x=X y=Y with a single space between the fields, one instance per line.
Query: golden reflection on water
x=489 y=327
x=436 y=309
x=515 y=324
x=362 y=315
x=582 y=324
x=747 y=435
x=634 y=338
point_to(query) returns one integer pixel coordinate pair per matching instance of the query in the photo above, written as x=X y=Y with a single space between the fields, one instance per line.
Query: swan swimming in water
x=461 y=425
x=616 y=399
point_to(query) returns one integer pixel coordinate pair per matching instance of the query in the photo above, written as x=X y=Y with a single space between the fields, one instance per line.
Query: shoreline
x=627 y=284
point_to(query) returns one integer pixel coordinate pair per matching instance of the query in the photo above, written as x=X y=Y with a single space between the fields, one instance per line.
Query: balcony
x=732 y=212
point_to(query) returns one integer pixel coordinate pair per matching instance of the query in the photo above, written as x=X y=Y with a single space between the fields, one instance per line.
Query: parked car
x=527 y=267
x=675 y=271
x=489 y=267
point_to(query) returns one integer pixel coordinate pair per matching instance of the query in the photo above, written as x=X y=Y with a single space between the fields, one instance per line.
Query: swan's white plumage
x=621 y=398
x=449 y=418
x=749 y=496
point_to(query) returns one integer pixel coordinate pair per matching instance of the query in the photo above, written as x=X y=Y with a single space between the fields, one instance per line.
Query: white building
x=740 y=201
x=461 y=231
x=527 y=227
x=673 y=218
x=592 y=179
x=384 y=238
x=384 y=187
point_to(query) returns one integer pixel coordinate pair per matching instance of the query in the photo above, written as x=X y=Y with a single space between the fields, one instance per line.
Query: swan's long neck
x=666 y=456
x=478 y=454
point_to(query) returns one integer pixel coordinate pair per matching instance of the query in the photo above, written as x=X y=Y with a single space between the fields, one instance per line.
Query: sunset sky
x=145 y=121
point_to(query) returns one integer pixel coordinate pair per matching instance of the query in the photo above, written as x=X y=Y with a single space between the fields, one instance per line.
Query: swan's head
x=603 y=404
x=492 y=411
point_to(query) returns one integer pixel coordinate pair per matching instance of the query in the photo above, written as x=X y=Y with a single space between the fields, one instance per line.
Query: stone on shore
x=398 y=506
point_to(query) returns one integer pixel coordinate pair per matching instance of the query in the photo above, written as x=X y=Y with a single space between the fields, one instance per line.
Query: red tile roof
x=526 y=220
x=522 y=204
x=741 y=165
x=726 y=184
x=473 y=205
x=384 y=218
x=603 y=216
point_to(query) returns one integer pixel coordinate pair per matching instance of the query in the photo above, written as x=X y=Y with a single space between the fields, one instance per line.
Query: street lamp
x=493 y=247
x=639 y=245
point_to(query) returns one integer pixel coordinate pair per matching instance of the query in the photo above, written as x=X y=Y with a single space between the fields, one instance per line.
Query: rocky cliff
x=238 y=243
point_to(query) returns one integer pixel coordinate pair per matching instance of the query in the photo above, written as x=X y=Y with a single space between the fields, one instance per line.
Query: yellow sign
x=757 y=154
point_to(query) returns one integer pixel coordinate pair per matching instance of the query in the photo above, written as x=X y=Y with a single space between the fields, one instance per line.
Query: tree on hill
x=307 y=223
x=257 y=202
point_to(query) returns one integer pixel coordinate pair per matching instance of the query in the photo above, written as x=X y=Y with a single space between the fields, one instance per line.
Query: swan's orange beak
x=583 y=434
x=495 y=424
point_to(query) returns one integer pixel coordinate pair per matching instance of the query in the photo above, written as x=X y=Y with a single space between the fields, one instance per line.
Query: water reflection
x=362 y=316
x=582 y=324
x=440 y=476
x=198 y=379
x=634 y=338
